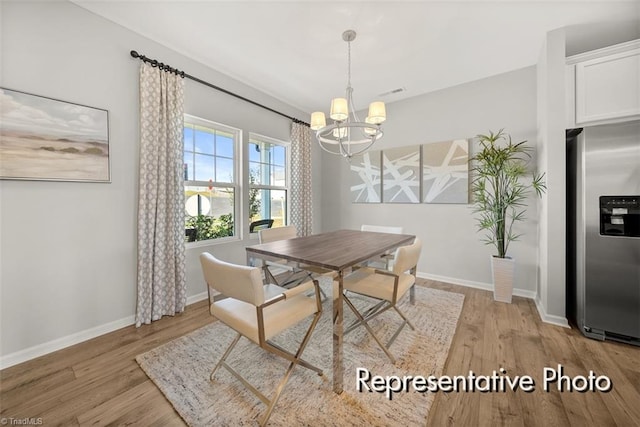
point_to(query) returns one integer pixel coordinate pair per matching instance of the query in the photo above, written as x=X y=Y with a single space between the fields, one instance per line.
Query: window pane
x=208 y=213
x=188 y=138
x=278 y=155
x=255 y=177
x=224 y=145
x=224 y=170
x=197 y=201
x=204 y=142
x=254 y=152
x=204 y=167
x=188 y=166
x=222 y=201
x=268 y=152
x=278 y=176
x=265 y=173
x=279 y=207
x=253 y=173
x=268 y=204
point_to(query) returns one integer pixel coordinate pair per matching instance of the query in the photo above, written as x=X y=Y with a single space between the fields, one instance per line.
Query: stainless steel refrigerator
x=603 y=231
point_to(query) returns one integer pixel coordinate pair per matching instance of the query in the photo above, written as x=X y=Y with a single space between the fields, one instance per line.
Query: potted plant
x=500 y=192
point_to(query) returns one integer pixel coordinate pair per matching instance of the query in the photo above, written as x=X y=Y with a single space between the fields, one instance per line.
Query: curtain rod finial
x=134 y=54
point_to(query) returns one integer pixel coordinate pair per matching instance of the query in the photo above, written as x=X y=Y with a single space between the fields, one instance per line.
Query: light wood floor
x=99 y=382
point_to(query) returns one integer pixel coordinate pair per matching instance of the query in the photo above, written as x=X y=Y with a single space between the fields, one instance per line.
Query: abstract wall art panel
x=445 y=172
x=47 y=139
x=365 y=178
x=401 y=175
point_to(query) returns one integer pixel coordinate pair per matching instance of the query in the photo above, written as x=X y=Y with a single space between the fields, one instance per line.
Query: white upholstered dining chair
x=259 y=312
x=296 y=273
x=387 y=287
x=381 y=229
x=385 y=260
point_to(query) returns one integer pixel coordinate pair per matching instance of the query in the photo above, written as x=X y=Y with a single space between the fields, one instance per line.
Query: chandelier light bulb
x=371 y=130
x=377 y=112
x=318 y=120
x=340 y=133
x=339 y=109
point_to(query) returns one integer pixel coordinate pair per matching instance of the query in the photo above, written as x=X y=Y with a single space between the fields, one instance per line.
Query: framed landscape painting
x=47 y=139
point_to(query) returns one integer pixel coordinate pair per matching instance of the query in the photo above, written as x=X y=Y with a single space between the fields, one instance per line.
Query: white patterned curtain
x=301 y=206
x=162 y=287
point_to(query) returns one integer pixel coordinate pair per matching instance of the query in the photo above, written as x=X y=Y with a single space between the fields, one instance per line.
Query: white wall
x=68 y=250
x=552 y=159
x=452 y=248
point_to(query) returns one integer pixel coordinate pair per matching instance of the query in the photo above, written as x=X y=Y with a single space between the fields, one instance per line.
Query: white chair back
x=407 y=257
x=234 y=281
x=381 y=229
x=279 y=233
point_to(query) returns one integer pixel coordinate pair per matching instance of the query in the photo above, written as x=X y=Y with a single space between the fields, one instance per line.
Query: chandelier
x=348 y=136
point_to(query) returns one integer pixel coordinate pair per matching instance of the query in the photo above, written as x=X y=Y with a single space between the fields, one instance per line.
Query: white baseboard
x=69 y=340
x=548 y=318
x=63 y=342
x=473 y=284
x=197 y=297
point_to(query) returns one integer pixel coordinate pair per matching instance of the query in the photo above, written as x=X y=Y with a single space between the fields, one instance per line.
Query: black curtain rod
x=170 y=69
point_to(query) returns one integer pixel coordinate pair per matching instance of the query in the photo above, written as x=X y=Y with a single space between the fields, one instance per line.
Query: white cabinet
x=607 y=84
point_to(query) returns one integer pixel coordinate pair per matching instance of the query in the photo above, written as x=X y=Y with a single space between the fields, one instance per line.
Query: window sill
x=211 y=242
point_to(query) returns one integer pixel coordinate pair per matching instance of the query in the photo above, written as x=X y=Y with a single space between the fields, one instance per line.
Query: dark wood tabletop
x=335 y=250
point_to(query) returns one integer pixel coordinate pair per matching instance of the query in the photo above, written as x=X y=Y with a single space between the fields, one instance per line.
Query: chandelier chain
x=349 y=64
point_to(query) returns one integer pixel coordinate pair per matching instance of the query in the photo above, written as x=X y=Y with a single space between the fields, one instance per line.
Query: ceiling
x=293 y=50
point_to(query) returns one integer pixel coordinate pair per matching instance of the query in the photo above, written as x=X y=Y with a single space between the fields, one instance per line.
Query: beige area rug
x=181 y=370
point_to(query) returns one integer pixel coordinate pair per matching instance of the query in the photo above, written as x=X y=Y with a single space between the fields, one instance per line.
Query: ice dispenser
x=620 y=216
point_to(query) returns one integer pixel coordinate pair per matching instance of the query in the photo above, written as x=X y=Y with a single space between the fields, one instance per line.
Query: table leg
x=338 y=328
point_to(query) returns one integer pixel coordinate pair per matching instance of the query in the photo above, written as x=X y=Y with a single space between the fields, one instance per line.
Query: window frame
x=256 y=137
x=236 y=183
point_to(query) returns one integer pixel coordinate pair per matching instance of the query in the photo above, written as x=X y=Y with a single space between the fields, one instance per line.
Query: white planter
x=503 y=273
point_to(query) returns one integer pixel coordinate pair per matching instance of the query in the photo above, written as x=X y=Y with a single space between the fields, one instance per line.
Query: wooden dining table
x=336 y=251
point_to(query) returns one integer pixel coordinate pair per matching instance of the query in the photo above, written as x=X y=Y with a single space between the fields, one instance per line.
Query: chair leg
x=370 y=312
x=291 y=279
x=295 y=359
x=366 y=325
x=404 y=322
x=292 y=365
x=404 y=317
x=395 y=335
x=367 y=315
x=294 y=278
x=305 y=275
x=224 y=356
x=374 y=311
x=323 y=296
x=291 y=356
x=268 y=276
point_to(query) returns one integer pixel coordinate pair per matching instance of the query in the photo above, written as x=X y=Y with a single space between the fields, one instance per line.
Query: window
x=210 y=179
x=268 y=180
